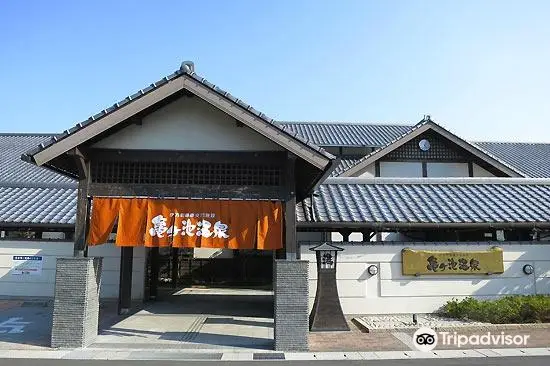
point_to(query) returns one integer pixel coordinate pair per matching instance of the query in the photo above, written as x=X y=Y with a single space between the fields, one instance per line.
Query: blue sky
x=480 y=68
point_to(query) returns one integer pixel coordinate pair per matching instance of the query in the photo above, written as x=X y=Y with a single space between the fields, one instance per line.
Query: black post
x=154 y=277
x=125 y=286
x=175 y=267
x=291 y=245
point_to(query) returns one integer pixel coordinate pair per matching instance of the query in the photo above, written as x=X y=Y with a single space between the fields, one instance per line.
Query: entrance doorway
x=212 y=299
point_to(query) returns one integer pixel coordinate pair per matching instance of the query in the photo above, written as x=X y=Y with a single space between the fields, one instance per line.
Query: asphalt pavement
x=504 y=361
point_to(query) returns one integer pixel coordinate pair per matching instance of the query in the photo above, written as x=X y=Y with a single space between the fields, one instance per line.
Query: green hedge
x=505 y=310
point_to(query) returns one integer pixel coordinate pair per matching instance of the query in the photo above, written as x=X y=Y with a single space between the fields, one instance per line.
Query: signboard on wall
x=27 y=265
x=433 y=262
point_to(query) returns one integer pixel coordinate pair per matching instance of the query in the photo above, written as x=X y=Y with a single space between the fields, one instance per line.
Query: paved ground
x=512 y=361
x=194 y=321
x=197 y=318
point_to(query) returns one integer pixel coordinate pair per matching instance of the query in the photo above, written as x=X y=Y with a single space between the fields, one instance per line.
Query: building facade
x=377 y=190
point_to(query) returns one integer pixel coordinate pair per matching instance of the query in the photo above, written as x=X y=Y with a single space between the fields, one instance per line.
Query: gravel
x=405 y=321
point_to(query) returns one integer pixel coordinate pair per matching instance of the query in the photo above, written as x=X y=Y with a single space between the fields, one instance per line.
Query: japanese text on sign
x=419 y=262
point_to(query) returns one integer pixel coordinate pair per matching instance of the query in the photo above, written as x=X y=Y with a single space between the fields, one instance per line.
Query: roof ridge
x=344 y=123
x=510 y=142
x=438 y=180
x=37 y=134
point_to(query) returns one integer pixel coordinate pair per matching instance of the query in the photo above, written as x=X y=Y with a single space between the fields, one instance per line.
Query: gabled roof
x=346 y=134
x=421 y=127
x=397 y=203
x=32 y=196
x=184 y=78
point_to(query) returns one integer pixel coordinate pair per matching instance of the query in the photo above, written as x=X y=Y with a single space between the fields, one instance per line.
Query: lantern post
x=327 y=314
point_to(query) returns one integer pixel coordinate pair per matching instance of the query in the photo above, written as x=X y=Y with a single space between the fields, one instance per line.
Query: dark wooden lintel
x=187 y=191
x=276 y=158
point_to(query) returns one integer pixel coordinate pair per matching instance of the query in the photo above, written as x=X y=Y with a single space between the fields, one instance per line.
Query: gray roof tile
x=346 y=134
x=32 y=195
x=13 y=169
x=416 y=201
x=37 y=206
x=531 y=158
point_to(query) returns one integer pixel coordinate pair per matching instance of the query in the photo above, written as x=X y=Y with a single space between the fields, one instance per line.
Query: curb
x=485 y=327
x=219 y=355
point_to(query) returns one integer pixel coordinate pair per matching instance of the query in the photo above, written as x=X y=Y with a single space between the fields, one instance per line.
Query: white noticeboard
x=27 y=265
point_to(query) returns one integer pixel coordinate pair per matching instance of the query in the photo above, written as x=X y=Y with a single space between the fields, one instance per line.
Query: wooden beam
x=275 y=158
x=187 y=191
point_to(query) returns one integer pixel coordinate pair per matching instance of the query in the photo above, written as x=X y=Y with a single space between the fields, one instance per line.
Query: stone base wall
x=291 y=305
x=76 y=302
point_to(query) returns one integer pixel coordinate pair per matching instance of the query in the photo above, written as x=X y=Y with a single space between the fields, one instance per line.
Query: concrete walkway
x=197 y=318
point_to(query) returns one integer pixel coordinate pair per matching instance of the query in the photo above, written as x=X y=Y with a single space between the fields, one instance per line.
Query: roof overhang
x=178 y=82
x=417 y=130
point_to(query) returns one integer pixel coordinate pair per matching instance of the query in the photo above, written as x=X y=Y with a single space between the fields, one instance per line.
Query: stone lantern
x=327 y=314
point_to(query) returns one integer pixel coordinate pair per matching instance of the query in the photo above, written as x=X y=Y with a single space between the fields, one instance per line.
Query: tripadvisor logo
x=426 y=339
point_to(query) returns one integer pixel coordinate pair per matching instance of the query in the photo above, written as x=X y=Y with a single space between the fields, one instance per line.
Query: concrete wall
x=391 y=292
x=43 y=285
x=188 y=124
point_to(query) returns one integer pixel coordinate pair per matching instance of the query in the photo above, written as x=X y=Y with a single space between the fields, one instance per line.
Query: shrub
x=508 y=309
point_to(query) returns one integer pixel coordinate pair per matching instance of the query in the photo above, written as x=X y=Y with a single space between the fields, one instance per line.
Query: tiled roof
x=31 y=195
x=446 y=201
x=531 y=158
x=183 y=70
x=346 y=134
x=345 y=163
x=37 y=206
x=528 y=158
x=13 y=169
x=427 y=123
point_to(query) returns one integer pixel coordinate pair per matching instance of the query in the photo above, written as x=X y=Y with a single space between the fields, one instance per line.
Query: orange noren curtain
x=132 y=221
x=188 y=223
x=104 y=215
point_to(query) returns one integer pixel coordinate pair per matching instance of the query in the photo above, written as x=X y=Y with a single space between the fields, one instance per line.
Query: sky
x=479 y=68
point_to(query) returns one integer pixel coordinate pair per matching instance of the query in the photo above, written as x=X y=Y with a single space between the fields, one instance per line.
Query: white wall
x=400 y=169
x=391 y=292
x=368 y=172
x=27 y=285
x=110 y=276
x=188 y=124
x=43 y=285
x=480 y=172
x=447 y=169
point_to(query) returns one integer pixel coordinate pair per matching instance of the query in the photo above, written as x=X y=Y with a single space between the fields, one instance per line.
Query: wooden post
x=175 y=267
x=291 y=245
x=125 y=285
x=154 y=277
x=82 y=204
